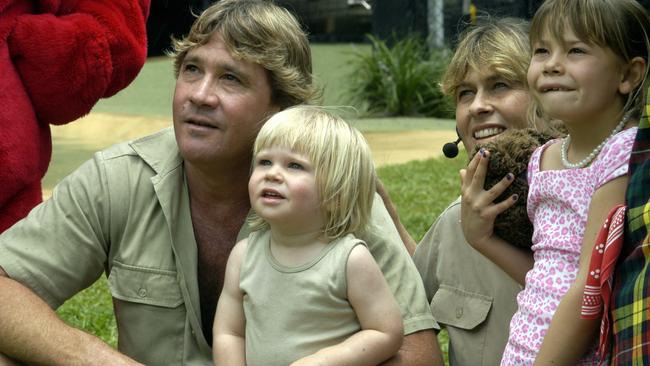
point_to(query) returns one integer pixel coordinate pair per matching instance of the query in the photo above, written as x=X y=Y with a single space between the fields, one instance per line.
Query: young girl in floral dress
x=588 y=69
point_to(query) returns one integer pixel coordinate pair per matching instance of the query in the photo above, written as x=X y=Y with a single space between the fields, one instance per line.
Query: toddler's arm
x=569 y=336
x=478 y=212
x=229 y=322
x=381 y=331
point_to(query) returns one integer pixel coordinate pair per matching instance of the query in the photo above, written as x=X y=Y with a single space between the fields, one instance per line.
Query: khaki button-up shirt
x=470 y=296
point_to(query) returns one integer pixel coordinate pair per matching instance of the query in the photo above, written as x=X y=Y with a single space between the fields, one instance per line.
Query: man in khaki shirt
x=159 y=215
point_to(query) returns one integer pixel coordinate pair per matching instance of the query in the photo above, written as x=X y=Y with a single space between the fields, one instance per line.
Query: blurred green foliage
x=400 y=80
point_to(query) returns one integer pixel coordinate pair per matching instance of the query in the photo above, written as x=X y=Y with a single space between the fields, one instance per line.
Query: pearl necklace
x=594 y=152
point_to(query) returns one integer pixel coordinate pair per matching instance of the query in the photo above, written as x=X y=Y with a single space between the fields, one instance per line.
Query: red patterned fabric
x=598 y=289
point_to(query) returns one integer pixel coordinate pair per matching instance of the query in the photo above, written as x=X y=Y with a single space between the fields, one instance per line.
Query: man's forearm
x=31 y=332
x=419 y=349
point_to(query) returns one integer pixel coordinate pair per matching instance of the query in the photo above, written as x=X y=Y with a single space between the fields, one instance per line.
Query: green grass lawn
x=420 y=189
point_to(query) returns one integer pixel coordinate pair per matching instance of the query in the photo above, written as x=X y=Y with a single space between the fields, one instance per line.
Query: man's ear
x=633 y=75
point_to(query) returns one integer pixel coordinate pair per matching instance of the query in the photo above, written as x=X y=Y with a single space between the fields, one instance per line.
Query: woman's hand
x=478 y=210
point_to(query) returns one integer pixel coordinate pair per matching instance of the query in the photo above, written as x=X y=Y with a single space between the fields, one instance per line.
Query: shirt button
x=142 y=292
x=459 y=312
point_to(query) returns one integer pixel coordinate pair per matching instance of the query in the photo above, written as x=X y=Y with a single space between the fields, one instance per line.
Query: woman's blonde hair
x=494 y=44
x=261 y=32
x=343 y=166
x=620 y=25
x=499 y=45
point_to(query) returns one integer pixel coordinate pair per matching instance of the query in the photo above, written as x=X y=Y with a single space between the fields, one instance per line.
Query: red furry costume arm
x=70 y=53
x=57 y=58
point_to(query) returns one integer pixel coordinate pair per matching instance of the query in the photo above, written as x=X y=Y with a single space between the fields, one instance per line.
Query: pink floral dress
x=558 y=203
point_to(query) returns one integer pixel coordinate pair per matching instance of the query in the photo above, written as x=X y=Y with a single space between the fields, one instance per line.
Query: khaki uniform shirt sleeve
x=388 y=250
x=425 y=259
x=60 y=248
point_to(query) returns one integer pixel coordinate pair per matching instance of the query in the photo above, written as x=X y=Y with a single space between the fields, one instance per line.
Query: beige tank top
x=292 y=312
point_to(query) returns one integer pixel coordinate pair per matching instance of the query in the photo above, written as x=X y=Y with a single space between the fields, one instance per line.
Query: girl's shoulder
x=624 y=137
x=549 y=150
x=617 y=149
x=612 y=162
x=254 y=247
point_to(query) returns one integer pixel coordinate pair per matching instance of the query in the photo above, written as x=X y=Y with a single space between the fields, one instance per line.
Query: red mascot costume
x=57 y=58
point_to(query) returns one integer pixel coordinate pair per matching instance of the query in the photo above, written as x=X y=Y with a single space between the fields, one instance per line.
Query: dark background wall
x=342 y=20
x=391 y=17
x=167 y=18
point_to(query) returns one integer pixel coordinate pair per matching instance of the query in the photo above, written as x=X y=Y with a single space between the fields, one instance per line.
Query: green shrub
x=401 y=80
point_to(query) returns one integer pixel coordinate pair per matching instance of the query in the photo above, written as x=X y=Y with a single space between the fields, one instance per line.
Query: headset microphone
x=450 y=149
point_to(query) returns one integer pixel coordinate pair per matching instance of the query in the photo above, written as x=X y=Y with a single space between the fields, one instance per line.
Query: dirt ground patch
x=401 y=147
x=99 y=130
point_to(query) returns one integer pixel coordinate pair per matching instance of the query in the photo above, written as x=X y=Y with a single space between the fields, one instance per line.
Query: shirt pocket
x=149 y=311
x=142 y=285
x=463 y=314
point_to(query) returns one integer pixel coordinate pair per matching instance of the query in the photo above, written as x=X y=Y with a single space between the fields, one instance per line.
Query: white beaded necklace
x=594 y=152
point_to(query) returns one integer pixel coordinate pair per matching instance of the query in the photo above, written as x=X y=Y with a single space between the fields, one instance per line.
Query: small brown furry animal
x=510 y=154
